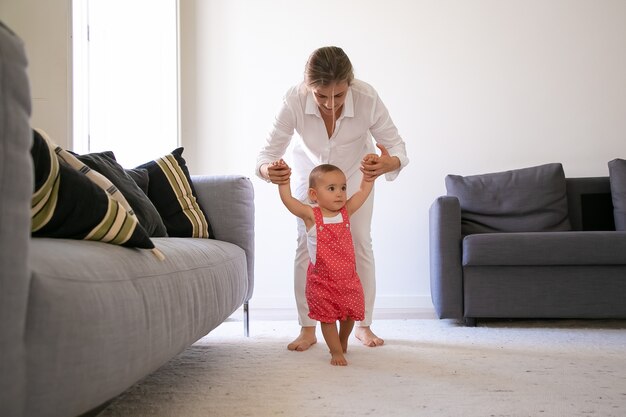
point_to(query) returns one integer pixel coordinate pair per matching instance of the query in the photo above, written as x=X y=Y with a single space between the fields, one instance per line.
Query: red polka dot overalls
x=333 y=288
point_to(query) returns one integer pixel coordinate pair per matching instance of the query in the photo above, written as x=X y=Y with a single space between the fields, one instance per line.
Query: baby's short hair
x=320 y=170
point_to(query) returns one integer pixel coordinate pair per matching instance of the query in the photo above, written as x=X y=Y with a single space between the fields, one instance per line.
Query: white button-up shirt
x=363 y=116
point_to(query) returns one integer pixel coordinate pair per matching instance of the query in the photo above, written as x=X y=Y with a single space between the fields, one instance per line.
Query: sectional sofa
x=81 y=321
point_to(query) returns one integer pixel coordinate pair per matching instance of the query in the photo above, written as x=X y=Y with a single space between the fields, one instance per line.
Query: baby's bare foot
x=337 y=359
x=305 y=340
x=367 y=337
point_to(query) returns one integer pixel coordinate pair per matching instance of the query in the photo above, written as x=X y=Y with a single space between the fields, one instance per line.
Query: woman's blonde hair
x=328 y=65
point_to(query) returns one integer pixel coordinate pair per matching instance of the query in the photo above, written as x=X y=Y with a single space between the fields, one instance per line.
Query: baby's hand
x=368 y=167
x=279 y=172
x=279 y=164
x=374 y=165
x=370 y=158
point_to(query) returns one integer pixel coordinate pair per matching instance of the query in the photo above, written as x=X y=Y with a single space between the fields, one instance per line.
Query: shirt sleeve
x=279 y=137
x=385 y=132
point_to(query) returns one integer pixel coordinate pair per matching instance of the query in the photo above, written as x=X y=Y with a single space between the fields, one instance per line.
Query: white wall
x=473 y=86
x=45 y=27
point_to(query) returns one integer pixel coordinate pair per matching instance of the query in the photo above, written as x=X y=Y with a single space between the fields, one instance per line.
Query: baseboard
x=280 y=314
x=382 y=302
x=386 y=308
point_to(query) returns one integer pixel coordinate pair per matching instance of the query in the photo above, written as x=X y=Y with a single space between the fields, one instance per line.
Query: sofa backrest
x=16 y=187
x=589 y=203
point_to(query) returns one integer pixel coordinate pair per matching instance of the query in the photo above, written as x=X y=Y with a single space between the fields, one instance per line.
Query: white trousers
x=360 y=225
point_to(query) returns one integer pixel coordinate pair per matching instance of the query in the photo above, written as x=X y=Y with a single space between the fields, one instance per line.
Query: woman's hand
x=278 y=172
x=373 y=166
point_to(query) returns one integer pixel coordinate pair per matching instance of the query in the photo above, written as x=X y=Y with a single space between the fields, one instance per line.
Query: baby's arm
x=358 y=198
x=295 y=206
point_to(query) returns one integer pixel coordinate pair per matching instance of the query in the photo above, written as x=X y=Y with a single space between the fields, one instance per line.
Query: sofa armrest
x=228 y=201
x=446 y=275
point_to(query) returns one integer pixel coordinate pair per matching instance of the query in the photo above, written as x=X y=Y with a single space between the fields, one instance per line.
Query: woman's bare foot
x=337 y=359
x=367 y=337
x=305 y=340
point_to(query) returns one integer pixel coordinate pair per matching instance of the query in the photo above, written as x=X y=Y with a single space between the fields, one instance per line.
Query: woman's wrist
x=399 y=163
x=264 y=171
x=394 y=166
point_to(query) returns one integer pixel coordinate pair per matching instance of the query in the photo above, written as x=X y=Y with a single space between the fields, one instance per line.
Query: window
x=125 y=74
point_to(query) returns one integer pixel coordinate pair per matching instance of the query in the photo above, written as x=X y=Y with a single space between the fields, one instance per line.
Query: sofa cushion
x=523 y=200
x=106 y=164
x=101 y=317
x=617 y=173
x=171 y=191
x=66 y=203
x=558 y=249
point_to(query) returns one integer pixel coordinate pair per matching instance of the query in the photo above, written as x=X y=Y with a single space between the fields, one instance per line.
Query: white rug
x=426 y=368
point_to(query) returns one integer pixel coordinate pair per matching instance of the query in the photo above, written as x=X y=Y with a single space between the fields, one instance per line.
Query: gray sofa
x=82 y=321
x=493 y=255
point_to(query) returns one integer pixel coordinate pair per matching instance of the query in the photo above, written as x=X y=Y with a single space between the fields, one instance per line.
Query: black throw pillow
x=106 y=164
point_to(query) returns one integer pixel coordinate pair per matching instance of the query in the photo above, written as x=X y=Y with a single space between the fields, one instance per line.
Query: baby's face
x=330 y=191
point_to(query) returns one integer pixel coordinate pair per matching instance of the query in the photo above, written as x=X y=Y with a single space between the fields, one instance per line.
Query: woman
x=336 y=116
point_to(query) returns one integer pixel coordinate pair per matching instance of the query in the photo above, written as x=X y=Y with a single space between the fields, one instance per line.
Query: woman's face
x=330 y=98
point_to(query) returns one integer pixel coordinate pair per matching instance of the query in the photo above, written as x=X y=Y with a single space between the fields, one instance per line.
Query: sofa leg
x=470 y=321
x=246 y=320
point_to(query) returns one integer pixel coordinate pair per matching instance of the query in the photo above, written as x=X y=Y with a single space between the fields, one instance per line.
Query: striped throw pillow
x=72 y=201
x=171 y=191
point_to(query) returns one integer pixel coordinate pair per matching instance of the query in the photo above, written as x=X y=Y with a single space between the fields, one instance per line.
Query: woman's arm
x=385 y=133
x=278 y=138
